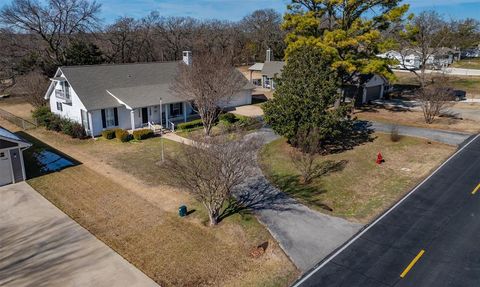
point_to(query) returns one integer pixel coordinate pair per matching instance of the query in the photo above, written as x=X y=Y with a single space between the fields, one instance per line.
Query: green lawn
x=361 y=189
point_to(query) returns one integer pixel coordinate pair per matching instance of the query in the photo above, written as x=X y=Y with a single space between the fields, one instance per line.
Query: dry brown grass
x=470 y=84
x=17 y=106
x=416 y=119
x=363 y=189
x=136 y=215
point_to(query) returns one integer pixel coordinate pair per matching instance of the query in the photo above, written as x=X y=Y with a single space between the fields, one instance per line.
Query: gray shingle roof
x=272 y=68
x=92 y=82
x=137 y=85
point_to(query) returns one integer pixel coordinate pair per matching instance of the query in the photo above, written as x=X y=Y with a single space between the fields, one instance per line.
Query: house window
x=59 y=107
x=176 y=109
x=66 y=89
x=2 y=154
x=110 y=117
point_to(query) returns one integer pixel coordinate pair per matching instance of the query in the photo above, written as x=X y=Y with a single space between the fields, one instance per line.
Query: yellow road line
x=476 y=189
x=404 y=273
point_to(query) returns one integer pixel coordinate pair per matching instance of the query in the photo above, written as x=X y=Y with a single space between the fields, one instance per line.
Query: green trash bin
x=182 y=211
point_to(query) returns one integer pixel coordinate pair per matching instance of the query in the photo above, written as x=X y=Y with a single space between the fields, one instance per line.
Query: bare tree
x=263 y=29
x=210 y=82
x=426 y=34
x=435 y=97
x=34 y=85
x=56 y=23
x=211 y=169
x=122 y=39
x=304 y=158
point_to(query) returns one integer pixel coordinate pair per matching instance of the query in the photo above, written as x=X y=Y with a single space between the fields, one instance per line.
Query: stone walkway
x=41 y=246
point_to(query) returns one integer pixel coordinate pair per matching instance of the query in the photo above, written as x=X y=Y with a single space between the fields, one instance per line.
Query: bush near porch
x=54 y=122
x=227 y=122
x=360 y=189
x=143 y=134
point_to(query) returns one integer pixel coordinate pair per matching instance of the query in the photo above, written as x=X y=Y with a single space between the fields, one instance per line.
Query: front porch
x=164 y=116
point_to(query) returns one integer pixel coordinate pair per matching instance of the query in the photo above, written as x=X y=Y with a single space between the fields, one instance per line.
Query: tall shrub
x=305 y=99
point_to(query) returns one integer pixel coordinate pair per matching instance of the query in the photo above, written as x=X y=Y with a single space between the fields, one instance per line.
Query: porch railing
x=170 y=126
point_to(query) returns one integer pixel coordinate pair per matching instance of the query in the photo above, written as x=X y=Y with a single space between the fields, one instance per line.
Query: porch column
x=166 y=115
x=364 y=95
x=184 y=112
x=90 y=124
x=132 y=119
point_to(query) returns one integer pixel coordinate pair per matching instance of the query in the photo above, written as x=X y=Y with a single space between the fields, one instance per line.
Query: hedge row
x=190 y=125
x=54 y=122
x=125 y=136
x=143 y=134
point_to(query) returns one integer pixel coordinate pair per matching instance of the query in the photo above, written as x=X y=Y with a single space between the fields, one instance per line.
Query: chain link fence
x=18 y=121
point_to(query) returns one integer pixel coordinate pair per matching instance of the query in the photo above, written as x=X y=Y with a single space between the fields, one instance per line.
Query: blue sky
x=236 y=9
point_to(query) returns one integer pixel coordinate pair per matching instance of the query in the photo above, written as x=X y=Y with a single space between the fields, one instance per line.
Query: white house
x=127 y=96
x=374 y=87
x=407 y=59
x=12 y=167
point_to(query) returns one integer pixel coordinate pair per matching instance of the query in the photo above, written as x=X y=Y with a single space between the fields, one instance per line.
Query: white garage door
x=241 y=99
x=5 y=168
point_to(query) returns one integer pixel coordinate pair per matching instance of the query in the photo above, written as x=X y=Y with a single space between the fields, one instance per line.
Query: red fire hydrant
x=380 y=159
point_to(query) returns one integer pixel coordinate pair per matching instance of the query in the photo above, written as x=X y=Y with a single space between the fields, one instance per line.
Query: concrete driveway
x=41 y=246
x=306 y=236
x=252 y=111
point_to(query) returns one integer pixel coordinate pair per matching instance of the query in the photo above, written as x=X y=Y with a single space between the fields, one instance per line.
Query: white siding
x=71 y=111
x=242 y=98
x=123 y=120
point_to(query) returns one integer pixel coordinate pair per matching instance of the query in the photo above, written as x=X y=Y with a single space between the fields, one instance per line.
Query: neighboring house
x=374 y=88
x=12 y=169
x=441 y=58
x=255 y=74
x=407 y=59
x=271 y=70
x=127 y=96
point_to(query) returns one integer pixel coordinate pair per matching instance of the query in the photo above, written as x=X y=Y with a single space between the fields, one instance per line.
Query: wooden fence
x=18 y=121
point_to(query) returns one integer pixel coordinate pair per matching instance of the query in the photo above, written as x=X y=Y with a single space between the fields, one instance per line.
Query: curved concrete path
x=306 y=236
x=41 y=246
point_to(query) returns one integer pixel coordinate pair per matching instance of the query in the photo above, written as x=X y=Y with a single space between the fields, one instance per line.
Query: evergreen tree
x=349 y=33
x=304 y=100
x=83 y=53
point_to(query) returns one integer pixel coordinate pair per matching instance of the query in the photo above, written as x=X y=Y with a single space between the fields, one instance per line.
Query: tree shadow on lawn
x=261 y=194
x=306 y=193
x=360 y=134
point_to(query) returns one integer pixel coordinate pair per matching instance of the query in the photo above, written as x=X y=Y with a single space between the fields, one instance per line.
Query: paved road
x=469 y=114
x=306 y=236
x=41 y=246
x=441 y=217
x=447 y=137
x=450 y=71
